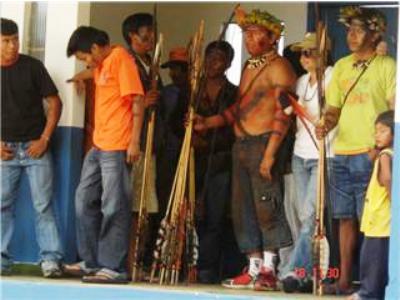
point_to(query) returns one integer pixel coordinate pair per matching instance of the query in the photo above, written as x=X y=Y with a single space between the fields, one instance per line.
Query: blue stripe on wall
x=393 y=289
x=67 y=150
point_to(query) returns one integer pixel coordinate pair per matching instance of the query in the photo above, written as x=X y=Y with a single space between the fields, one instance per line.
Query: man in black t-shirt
x=25 y=135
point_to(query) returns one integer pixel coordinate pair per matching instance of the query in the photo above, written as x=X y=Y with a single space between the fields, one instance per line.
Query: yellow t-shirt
x=365 y=102
x=375 y=221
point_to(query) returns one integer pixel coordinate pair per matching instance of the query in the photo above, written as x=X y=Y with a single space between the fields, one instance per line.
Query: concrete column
x=62 y=19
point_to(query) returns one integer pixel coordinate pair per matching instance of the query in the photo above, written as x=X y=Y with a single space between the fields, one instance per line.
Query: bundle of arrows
x=176 y=250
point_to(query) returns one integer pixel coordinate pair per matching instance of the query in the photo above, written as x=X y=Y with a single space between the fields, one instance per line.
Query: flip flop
x=74 y=270
x=103 y=277
x=354 y=296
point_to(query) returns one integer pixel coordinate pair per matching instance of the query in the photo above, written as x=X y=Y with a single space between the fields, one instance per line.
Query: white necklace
x=255 y=62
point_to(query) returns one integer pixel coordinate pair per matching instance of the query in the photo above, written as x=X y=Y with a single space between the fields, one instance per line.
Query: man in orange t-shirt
x=102 y=225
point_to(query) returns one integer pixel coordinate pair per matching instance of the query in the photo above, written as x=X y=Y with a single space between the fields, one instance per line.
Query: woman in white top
x=298 y=273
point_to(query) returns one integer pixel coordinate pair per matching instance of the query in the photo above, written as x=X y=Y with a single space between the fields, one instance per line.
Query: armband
x=282 y=120
x=276 y=132
x=223 y=116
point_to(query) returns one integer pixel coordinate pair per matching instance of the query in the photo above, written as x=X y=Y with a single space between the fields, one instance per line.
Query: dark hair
x=329 y=58
x=133 y=22
x=222 y=46
x=84 y=37
x=294 y=58
x=386 y=118
x=377 y=35
x=183 y=66
x=8 y=27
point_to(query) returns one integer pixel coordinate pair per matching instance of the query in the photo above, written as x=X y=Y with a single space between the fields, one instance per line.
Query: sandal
x=75 y=270
x=105 y=277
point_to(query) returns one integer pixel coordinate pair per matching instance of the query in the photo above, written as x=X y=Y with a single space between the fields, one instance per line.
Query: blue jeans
x=40 y=175
x=349 y=182
x=216 y=204
x=102 y=204
x=305 y=177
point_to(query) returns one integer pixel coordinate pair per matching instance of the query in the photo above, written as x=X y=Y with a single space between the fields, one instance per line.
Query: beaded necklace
x=305 y=93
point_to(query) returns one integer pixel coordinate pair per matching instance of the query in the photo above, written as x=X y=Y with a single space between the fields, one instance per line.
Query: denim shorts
x=349 y=178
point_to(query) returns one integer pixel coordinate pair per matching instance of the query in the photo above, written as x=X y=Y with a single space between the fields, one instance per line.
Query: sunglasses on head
x=308 y=52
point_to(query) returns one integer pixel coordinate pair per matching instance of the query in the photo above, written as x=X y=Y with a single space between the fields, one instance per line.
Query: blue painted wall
x=393 y=289
x=66 y=147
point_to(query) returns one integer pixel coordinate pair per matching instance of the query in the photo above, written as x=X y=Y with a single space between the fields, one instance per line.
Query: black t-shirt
x=23 y=87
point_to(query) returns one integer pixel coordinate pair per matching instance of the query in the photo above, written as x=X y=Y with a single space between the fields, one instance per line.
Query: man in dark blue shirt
x=173 y=107
x=213 y=152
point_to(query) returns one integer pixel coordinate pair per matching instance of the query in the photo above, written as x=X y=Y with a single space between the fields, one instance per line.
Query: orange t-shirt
x=116 y=78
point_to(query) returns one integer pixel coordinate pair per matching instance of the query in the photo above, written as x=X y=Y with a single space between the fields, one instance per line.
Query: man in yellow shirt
x=362 y=86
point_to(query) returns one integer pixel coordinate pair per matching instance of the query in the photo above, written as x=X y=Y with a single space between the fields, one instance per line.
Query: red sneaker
x=242 y=281
x=266 y=280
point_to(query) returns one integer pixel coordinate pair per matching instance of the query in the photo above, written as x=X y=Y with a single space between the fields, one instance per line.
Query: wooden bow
x=321 y=246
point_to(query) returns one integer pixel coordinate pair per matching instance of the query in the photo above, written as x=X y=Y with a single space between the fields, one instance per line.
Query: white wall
x=109 y=16
x=188 y=16
x=179 y=21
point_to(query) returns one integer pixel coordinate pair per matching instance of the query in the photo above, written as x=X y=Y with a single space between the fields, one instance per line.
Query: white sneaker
x=51 y=269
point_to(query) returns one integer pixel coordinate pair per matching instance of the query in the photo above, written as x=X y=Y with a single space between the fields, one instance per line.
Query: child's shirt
x=375 y=220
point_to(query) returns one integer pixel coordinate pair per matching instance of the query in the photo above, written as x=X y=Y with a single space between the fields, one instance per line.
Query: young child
x=375 y=222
